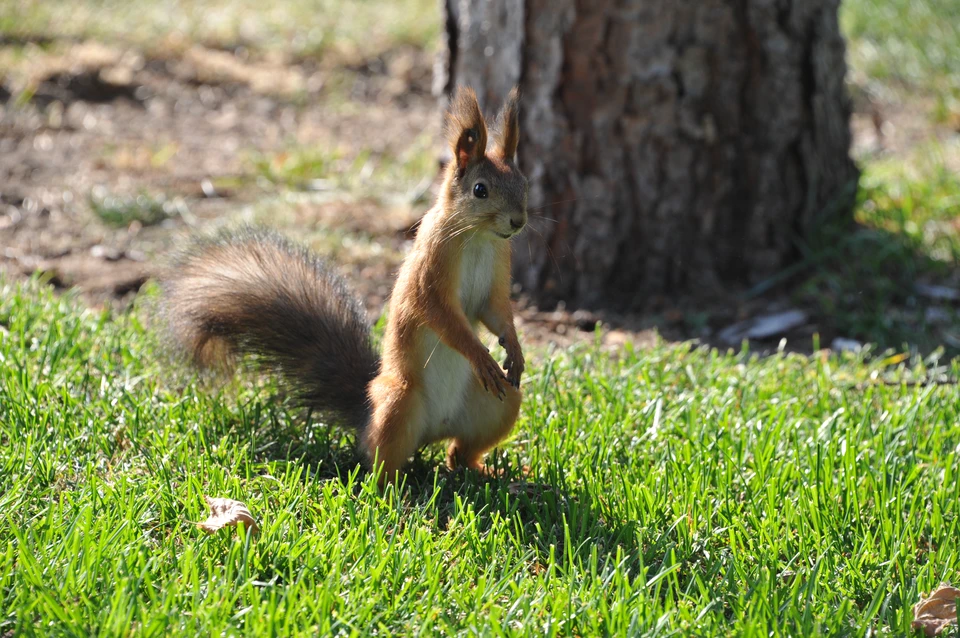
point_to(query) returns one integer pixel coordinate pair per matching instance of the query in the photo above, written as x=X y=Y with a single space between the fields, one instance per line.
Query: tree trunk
x=672 y=146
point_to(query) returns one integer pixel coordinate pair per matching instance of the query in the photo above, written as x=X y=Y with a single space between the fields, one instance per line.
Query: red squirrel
x=253 y=292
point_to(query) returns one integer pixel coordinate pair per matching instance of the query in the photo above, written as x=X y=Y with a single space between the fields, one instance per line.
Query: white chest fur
x=476 y=276
x=446 y=373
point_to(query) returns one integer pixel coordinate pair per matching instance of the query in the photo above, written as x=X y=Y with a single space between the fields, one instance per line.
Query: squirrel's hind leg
x=484 y=421
x=393 y=434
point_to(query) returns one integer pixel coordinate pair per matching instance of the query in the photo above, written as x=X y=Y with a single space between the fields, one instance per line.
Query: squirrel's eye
x=479 y=190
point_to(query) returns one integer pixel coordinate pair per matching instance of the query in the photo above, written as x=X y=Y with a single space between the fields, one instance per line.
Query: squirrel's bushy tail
x=252 y=292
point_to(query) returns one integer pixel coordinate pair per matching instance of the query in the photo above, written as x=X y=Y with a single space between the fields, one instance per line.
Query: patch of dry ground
x=193 y=133
x=100 y=125
x=92 y=126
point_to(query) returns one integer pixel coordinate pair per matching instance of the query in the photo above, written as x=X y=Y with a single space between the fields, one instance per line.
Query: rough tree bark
x=676 y=146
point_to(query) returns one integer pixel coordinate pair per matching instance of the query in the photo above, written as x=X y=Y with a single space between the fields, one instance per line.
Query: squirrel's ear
x=508 y=125
x=466 y=130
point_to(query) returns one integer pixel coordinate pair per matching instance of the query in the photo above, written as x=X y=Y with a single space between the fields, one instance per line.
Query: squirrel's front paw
x=491 y=377
x=514 y=368
x=513 y=364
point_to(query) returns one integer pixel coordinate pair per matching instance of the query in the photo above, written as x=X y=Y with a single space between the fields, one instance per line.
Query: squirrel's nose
x=516 y=225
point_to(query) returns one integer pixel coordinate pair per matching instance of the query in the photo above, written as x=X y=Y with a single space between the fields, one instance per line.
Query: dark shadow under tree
x=674 y=147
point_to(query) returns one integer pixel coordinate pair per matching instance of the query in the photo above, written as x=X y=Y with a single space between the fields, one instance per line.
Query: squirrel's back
x=254 y=292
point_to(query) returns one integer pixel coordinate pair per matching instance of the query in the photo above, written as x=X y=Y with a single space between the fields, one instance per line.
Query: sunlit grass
x=304 y=27
x=361 y=172
x=673 y=490
x=897 y=47
x=677 y=491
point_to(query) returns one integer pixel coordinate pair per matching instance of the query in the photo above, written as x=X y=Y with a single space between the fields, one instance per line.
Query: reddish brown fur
x=253 y=292
x=426 y=294
x=465 y=129
x=508 y=125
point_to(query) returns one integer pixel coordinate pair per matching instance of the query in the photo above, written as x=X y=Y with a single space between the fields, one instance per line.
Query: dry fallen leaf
x=936 y=613
x=225 y=512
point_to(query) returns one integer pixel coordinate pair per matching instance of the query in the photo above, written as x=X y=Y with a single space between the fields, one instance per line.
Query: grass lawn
x=681 y=491
x=673 y=490
x=293 y=27
x=899 y=47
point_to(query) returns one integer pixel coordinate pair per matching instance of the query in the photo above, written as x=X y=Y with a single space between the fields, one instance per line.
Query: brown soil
x=115 y=124
x=94 y=123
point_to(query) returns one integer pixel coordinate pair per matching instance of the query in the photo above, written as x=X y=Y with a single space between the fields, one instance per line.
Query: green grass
x=905 y=54
x=863 y=281
x=121 y=211
x=301 y=28
x=383 y=175
x=687 y=492
x=682 y=491
x=904 y=46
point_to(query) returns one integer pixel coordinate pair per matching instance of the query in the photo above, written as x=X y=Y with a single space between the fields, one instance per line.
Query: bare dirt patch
x=91 y=136
x=109 y=157
x=97 y=123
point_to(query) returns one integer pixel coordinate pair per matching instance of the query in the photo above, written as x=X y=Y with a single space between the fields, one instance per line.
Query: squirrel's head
x=486 y=187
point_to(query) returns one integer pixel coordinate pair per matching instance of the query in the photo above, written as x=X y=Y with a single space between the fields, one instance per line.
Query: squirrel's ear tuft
x=466 y=130
x=508 y=125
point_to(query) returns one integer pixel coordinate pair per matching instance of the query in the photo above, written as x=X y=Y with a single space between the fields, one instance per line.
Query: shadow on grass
x=889 y=279
x=892 y=280
x=559 y=525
